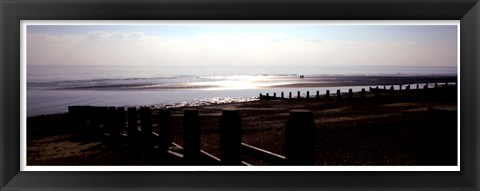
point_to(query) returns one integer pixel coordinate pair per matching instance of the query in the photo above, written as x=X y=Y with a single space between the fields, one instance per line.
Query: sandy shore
x=370 y=131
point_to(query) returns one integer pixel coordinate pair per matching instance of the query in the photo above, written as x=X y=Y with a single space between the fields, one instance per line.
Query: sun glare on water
x=239 y=82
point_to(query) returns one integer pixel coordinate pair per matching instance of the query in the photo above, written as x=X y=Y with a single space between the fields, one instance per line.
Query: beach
x=382 y=129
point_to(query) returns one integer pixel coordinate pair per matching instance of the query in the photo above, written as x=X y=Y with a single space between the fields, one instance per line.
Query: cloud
x=120 y=48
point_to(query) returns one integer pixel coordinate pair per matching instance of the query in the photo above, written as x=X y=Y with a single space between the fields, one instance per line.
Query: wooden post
x=101 y=111
x=164 y=130
x=146 y=125
x=282 y=95
x=121 y=119
x=338 y=94
x=363 y=93
x=290 y=95
x=377 y=92
x=400 y=87
x=96 y=113
x=274 y=94
x=418 y=86
x=132 y=127
x=425 y=86
x=110 y=123
x=436 y=85
x=300 y=138
x=407 y=88
x=298 y=95
x=74 y=112
x=146 y=120
x=318 y=94
x=327 y=94
x=191 y=136
x=384 y=87
x=230 y=137
x=308 y=95
x=268 y=96
x=350 y=93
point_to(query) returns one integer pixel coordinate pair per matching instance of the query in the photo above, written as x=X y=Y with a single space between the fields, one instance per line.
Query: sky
x=242 y=44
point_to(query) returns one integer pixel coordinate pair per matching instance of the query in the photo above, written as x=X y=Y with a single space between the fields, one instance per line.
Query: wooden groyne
x=132 y=130
x=402 y=89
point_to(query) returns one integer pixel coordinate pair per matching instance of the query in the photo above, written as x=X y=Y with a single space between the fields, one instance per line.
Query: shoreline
x=154 y=98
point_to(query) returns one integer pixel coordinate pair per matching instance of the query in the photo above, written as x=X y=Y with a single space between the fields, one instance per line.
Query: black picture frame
x=13 y=11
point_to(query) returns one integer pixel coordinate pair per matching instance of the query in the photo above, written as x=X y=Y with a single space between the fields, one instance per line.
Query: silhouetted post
x=384 y=87
x=164 y=130
x=74 y=112
x=298 y=95
x=392 y=90
x=436 y=85
x=230 y=137
x=363 y=93
x=446 y=84
x=327 y=94
x=87 y=112
x=407 y=88
x=377 y=92
x=425 y=87
x=260 y=96
x=282 y=95
x=400 y=87
x=300 y=138
x=110 y=123
x=274 y=94
x=290 y=95
x=268 y=96
x=308 y=95
x=121 y=119
x=438 y=137
x=146 y=120
x=146 y=125
x=132 y=127
x=338 y=94
x=102 y=111
x=369 y=89
x=418 y=86
x=350 y=93
x=318 y=94
x=191 y=136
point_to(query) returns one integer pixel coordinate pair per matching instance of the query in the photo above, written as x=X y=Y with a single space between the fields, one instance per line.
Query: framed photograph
x=239 y=95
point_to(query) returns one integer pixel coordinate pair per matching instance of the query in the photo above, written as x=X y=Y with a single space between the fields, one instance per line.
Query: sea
x=50 y=89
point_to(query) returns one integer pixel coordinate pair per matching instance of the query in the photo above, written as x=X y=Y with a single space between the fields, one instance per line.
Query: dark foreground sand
x=370 y=131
